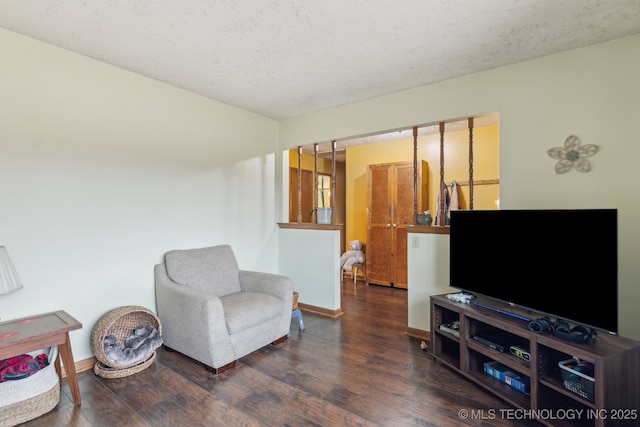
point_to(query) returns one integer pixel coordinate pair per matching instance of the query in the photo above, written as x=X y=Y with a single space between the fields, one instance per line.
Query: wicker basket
x=121 y=323
x=108 y=372
x=28 y=398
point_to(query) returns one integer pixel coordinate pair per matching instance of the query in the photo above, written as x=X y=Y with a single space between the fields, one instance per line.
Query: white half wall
x=428 y=263
x=312 y=260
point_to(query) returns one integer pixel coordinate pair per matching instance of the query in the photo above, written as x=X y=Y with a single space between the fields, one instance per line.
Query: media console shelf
x=613 y=399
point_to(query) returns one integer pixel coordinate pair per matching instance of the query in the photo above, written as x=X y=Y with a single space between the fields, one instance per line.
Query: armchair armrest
x=268 y=283
x=191 y=319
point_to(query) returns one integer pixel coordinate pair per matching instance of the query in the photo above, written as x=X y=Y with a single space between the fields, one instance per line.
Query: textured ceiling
x=286 y=58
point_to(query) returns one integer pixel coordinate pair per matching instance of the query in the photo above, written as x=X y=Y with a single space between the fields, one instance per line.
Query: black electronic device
x=494 y=342
x=541 y=262
x=520 y=352
x=497 y=339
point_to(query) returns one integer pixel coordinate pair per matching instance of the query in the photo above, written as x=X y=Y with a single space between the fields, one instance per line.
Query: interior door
x=403 y=198
x=379 y=220
x=390 y=208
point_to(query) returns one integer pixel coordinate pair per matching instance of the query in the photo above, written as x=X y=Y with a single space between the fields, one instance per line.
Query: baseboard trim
x=81 y=366
x=418 y=333
x=320 y=310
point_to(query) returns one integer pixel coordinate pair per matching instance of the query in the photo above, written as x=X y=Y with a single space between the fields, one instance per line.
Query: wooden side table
x=20 y=336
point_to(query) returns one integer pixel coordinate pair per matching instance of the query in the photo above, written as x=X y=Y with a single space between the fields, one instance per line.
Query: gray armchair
x=216 y=313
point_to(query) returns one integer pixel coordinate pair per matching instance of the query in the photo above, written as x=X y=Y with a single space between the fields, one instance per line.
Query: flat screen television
x=559 y=263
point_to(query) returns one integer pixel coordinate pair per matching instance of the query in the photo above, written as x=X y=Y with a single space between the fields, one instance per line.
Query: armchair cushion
x=244 y=310
x=213 y=269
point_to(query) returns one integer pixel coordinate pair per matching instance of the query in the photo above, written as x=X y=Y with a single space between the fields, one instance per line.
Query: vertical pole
x=415 y=175
x=299 y=215
x=333 y=180
x=471 y=163
x=315 y=181
x=443 y=187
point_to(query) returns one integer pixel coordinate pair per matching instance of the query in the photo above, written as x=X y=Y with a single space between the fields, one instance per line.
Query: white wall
x=102 y=171
x=593 y=93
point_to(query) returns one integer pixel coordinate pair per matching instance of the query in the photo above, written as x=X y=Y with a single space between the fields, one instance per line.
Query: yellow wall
x=486 y=164
x=486 y=155
x=308 y=162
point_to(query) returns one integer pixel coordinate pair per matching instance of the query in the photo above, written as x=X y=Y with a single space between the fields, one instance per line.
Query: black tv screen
x=559 y=263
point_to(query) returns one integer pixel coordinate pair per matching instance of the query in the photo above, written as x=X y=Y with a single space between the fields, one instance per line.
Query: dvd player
x=494 y=339
x=499 y=340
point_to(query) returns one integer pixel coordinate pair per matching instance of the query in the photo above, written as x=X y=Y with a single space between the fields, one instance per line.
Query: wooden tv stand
x=615 y=396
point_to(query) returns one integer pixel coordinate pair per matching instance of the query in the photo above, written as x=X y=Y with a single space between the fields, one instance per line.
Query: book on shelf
x=452 y=327
x=501 y=372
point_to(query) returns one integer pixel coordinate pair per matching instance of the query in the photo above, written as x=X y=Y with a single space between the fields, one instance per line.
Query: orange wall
x=486 y=156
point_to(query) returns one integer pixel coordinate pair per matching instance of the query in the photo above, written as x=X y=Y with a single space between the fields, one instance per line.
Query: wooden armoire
x=390 y=208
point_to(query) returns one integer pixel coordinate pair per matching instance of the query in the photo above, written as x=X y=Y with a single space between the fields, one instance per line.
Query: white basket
x=28 y=398
x=577 y=382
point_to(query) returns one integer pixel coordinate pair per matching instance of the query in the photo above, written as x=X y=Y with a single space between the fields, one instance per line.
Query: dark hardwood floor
x=360 y=369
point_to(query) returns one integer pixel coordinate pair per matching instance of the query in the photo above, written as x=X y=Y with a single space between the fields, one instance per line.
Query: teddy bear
x=354 y=255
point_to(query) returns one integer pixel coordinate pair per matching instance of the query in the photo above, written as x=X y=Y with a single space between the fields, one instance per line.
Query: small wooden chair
x=354 y=271
x=296 y=313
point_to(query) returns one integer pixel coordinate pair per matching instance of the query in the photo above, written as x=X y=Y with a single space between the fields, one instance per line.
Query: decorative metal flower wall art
x=572 y=155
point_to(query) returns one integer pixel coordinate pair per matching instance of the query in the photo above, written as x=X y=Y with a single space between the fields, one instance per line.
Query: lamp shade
x=9 y=280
